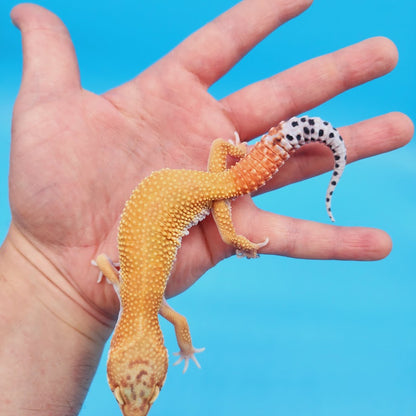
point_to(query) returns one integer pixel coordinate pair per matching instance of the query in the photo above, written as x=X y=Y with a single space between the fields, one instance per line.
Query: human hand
x=76 y=156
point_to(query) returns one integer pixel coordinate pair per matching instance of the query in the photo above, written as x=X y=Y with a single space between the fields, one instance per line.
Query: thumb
x=49 y=61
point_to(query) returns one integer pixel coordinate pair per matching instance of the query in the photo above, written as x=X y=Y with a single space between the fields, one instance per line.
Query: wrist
x=50 y=341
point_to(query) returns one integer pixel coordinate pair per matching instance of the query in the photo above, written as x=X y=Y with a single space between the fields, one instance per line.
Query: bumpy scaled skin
x=156 y=217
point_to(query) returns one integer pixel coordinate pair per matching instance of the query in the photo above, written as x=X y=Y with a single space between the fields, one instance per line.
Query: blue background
x=282 y=336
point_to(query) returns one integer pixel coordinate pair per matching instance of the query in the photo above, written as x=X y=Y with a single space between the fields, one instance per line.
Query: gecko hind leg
x=221 y=148
x=221 y=211
x=183 y=335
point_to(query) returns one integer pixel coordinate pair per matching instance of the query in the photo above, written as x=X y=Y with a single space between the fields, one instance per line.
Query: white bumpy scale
x=302 y=130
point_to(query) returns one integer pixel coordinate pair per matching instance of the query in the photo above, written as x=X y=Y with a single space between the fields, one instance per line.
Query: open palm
x=76 y=156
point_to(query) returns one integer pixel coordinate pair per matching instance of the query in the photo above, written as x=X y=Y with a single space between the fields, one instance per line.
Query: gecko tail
x=299 y=131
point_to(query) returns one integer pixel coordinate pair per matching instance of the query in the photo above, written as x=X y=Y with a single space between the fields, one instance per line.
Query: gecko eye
x=118 y=396
x=155 y=395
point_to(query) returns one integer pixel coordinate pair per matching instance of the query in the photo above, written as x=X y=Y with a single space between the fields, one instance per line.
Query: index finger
x=214 y=49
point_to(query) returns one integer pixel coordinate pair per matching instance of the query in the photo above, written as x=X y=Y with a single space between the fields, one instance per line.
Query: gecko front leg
x=183 y=335
x=108 y=270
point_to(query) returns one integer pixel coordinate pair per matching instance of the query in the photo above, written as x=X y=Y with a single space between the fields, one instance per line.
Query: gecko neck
x=137 y=327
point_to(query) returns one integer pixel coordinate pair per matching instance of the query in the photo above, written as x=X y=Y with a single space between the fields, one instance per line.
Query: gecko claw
x=263 y=243
x=252 y=252
x=183 y=356
x=108 y=269
x=100 y=273
x=236 y=141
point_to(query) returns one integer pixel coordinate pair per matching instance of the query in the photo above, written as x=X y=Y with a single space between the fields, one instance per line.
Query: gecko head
x=136 y=383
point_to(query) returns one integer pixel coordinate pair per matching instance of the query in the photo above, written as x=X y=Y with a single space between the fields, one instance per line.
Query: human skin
x=76 y=156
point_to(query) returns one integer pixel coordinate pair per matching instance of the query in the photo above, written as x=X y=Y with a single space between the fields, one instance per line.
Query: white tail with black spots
x=299 y=131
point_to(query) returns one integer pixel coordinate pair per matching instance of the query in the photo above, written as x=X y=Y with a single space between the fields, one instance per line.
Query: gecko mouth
x=144 y=408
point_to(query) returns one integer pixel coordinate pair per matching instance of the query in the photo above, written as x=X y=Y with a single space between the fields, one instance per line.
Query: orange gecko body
x=156 y=217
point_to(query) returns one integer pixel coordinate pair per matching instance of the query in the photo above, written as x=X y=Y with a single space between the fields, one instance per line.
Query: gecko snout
x=130 y=405
x=136 y=383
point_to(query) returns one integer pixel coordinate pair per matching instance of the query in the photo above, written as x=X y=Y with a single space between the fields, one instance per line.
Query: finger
x=367 y=138
x=211 y=51
x=49 y=61
x=307 y=239
x=256 y=108
x=311 y=240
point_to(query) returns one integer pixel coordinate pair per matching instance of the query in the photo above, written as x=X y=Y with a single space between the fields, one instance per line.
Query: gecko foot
x=185 y=356
x=236 y=140
x=242 y=146
x=107 y=269
x=100 y=273
x=251 y=253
